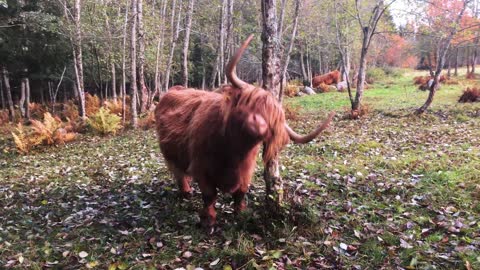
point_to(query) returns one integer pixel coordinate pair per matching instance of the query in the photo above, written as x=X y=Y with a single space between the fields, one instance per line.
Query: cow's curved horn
x=230 y=70
x=306 y=138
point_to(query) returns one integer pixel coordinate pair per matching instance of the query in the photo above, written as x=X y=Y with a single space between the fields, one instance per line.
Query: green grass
x=390 y=190
x=389 y=93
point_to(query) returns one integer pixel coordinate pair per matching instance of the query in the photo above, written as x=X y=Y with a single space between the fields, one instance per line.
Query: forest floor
x=389 y=191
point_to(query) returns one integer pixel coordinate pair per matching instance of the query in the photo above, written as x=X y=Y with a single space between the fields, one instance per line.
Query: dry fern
x=92 y=104
x=147 y=121
x=48 y=132
x=105 y=122
x=20 y=139
x=70 y=111
x=291 y=90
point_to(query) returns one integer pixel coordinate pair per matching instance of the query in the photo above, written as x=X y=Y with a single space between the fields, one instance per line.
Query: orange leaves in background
x=441 y=16
x=399 y=53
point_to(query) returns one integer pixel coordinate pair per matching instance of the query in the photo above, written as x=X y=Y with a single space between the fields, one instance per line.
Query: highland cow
x=328 y=79
x=214 y=137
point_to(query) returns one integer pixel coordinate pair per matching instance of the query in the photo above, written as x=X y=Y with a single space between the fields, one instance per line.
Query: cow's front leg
x=239 y=203
x=208 y=216
x=183 y=180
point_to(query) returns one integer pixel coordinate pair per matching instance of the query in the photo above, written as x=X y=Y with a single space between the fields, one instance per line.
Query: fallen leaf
x=82 y=254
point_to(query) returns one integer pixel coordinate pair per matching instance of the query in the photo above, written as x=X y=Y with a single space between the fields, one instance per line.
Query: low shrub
x=451 y=81
x=70 y=111
x=470 y=76
x=296 y=82
x=470 y=95
x=323 y=88
x=4 y=118
x=374 y=74
x=92 y=104
x=48 y=132
x=420 y=80
x=364 y=110
x=147 y=121
x=114 y=106
x=104 y=122
x=37 y=110
x=393 y=72
x=292 y=112
x=291 y=90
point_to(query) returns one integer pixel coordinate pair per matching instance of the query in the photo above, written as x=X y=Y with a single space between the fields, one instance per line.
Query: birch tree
x=141 y=58
x=186 y=41
x=450 y=24
x=368 y=28
x=271 y=82
x=133 y=63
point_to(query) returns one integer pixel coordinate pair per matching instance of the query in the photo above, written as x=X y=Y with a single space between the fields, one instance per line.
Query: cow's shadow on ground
x=129 y=218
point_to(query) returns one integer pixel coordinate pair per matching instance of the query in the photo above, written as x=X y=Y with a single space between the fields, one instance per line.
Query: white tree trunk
x=186 y=41
x=133 y=64
x=271 y=82
x=174 y=33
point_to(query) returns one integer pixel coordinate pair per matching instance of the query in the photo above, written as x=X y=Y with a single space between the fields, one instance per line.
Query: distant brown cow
x=328 y=79
x=214 y=138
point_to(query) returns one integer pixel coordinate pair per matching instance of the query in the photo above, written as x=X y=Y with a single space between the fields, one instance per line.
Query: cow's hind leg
x=183 y=180
x=208 y=215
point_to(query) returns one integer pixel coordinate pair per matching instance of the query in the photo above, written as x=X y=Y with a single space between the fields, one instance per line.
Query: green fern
x=105 y=122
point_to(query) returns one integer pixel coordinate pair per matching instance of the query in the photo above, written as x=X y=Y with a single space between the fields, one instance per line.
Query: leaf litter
x=390 y=191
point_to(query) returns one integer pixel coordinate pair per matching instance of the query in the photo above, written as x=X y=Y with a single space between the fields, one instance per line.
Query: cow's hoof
x=186 y=194
x=239 y=209
x=209 y=228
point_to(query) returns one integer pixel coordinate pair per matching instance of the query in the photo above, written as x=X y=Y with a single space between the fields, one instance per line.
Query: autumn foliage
x=398 y=52
x=50 y=131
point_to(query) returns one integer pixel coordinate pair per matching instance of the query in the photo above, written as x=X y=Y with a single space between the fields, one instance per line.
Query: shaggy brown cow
x=214 y=138
x=328 y=79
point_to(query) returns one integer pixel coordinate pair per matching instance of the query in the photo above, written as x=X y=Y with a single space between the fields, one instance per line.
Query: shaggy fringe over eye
x=265 y=104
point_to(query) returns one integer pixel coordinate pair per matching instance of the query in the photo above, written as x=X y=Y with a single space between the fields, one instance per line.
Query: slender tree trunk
x=174 y=33
x=99 y=70
x=309 y=67
x=114 y=81
x=456 y=63
x=77 y=52
x=442 y=48
x=229 y=30
x=362 y=70
x=110 y=54
x=302 y=65
x=133 y=64
x=186 y=41
x=2 y=96
x=159 y=53
x=474 y=59
x=6 y=82
x=286 y=55
x=141 y=58
x=27 y=98
x=21 y=102
x=221 y=42
x=123 y=87
x=215 y=72
x=467 y=60
x=449 y=66
x=271 y=82
x=281 y=20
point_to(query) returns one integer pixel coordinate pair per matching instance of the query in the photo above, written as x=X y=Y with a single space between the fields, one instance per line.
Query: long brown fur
x=214 y=137
x=332 y=77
